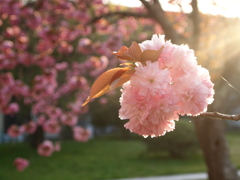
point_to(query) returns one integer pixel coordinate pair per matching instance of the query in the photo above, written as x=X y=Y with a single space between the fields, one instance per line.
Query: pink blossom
x=65 y=48
x=85 y=46
x=158 y=91
x=51 y=126
x=30 y=127
x=151 y=79
x=193 y=95
x=12 y=108
x=69 y=119
x=14 y=130
x=155 y=43
x=148 y=115
x=80 y=134
x=41 y=119
x=61 y=66
x=46 y=148
x=21 y=164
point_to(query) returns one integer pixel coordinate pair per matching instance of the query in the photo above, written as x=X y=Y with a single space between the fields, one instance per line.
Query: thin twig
x=217 y=115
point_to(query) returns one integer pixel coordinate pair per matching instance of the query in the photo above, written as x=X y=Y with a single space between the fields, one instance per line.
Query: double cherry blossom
x=161 y=82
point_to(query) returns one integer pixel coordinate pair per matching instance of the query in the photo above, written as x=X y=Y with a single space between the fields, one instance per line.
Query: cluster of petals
x=160 y=91
x=21 y=164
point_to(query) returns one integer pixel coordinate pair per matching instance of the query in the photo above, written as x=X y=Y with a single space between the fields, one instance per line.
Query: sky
x=228 y=8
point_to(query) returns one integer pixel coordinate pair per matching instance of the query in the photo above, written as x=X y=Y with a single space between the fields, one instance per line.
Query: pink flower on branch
x=161 y=82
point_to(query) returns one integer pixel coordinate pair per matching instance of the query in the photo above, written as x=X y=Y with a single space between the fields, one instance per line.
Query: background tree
x=196 y=33
x=40 y=40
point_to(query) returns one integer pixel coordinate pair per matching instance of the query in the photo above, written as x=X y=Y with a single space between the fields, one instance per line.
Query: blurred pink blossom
x=51 y=126
x=69 y=119
x=103 y=100
x=85 y=46
x=57 y=146
x=61 y=66
x=159 y=91
x=65 y=48
x=41 y=119
x=80 y=134
x=46 y=148
x=12 y=108
x=30 y=127
x=14 y=130
x=21 y=164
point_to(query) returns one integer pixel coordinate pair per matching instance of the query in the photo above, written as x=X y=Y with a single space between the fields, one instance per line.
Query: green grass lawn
x=100 y=159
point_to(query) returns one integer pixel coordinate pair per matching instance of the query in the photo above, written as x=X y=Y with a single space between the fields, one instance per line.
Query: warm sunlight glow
x=218 y=7
x=129 y=3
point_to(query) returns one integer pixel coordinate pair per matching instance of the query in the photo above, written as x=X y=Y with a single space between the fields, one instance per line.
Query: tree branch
x=146 y=4
x=196 y=25
x=156 y=2
x=120 y=13
x=156 y=11
x=217 y=115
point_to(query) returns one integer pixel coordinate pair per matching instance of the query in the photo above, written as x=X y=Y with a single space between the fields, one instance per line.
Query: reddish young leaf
x=123 y=54
x=121 y=51
x=123 y=79
x=151 y=55
x=135 y=51
x=103 y=82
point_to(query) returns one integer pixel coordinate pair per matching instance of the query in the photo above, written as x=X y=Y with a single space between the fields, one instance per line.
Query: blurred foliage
x=106 y=114
x=180 y=143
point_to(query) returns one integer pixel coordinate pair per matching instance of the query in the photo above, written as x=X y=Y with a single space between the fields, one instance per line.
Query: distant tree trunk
x=215 y=150
x=211 y=133
x=37 y=137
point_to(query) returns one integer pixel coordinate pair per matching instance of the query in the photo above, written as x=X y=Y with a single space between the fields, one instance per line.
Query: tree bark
x=211 y=133
x=37 y=137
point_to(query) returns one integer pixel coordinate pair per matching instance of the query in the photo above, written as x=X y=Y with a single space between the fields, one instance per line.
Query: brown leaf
x=135 y=51
x=151 y=55
x=127 y=58
x=123 y=79
x=121 y=51
x=102 y=83
x=128 y=64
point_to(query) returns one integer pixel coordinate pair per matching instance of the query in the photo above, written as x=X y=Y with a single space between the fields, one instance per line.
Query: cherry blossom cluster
x=46 y=62
x=49 y=52
x=158 y=92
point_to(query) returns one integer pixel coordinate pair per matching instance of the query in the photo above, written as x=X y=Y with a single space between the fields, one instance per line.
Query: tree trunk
x=37 y=137
x=211 y=133
x=215 y=149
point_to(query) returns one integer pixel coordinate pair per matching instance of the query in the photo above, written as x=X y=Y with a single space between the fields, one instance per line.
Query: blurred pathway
x=193 y=176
